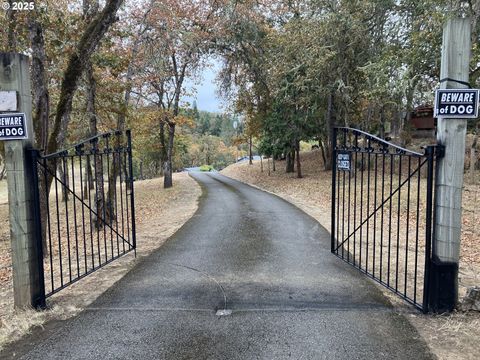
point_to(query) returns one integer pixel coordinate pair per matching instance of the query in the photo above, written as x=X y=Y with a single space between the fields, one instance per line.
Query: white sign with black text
x=343 y=161
x=13 y=126
x=456 y=103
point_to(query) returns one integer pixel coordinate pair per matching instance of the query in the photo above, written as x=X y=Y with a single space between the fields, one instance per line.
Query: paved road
x=249 y=252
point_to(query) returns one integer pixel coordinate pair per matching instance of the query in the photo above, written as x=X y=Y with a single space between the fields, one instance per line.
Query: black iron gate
x=85 y=211
x=382 y=201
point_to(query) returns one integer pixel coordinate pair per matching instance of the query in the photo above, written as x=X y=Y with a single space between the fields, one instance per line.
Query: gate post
x=26 y=258
x=443 y=292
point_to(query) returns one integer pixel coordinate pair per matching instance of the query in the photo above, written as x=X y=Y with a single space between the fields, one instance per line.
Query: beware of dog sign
x=457 y=103
x=13 y=126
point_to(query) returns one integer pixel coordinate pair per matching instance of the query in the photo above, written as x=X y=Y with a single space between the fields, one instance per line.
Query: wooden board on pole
x=15 y=76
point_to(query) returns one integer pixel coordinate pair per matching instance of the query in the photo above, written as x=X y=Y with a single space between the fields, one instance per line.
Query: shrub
x=206 y=168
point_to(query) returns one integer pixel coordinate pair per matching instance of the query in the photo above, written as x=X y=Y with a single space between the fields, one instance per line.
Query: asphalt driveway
x=250 y=253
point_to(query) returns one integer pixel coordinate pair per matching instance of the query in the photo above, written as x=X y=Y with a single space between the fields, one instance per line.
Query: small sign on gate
x=343 y=161
x=13 y=126
x=456 y=103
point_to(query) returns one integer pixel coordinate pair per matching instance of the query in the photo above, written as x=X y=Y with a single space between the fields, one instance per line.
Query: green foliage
x=309 y=66
x=207 y=168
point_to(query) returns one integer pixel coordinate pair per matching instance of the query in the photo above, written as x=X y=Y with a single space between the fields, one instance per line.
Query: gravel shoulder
x=159 y=214
x=456 y=336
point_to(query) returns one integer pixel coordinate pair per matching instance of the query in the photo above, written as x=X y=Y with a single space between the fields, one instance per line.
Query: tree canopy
x=291 y=70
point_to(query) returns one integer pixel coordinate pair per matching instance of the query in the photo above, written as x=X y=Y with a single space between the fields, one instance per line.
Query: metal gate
x=85 y=211
x=382 y=198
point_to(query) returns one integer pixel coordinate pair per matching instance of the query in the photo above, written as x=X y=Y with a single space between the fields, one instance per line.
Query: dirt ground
x=454 y=336
x=159 y=213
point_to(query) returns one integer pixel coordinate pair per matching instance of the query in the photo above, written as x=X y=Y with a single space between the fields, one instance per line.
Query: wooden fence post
x=451 y=133
x=26 y=252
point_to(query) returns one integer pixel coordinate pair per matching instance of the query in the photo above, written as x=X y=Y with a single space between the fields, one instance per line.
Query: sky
x=206 y=96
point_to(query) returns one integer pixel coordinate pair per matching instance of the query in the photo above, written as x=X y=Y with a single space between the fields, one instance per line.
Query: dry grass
x=451 y=337
x=448 y=336
x=160 y=212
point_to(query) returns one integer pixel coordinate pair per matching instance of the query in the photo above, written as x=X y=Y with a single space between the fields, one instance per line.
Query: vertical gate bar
x=390 y=221
x=104 y=207
x=132 y=191
x=58 y=221
x=355 y=199
x=48 y=222
x=127 y=183
x=339 y=240
x=368 y=204
x=95 y=155
x=122 y=175
x=83 y=212
x=375 y=214
x=430 y=153
x=408 y=223
x=349 y=206
x=417 y=229
x=382 y=215
x=67 y=223
x=343 y=212
x=40 y=301
x=89 y=173
x=344 y=145
x=109 y=200
x=334 y=180
x=75 y=214
x=398 y=218
x=115 y=165
x=361 y=211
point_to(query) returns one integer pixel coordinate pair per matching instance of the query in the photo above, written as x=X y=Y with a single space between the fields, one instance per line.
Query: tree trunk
x=323 y=152
x=405 y=122
x=250 y=155
x=273 y=163
x=100 y=204
x=331 y=124
x=41 y=103
x=299 y=167
x=88 y=183
x=261 y=163
x=290 y=161
x=76 y=66
x=64 y=178
x=100 y=207
x=41 y=109
x=382 y=123
x=168 y=168
x=268 y=165
x=12 y=24
x=163 y=147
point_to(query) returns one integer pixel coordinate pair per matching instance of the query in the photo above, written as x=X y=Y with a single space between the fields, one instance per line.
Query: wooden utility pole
x=26 y=251
x=451 y=134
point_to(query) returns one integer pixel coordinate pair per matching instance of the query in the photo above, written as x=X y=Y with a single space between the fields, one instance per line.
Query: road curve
x=248 y=252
